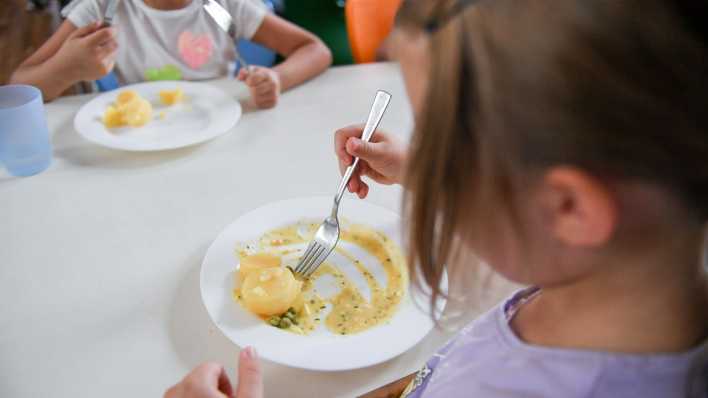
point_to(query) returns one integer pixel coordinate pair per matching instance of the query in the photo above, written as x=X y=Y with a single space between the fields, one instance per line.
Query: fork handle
x=375 y=115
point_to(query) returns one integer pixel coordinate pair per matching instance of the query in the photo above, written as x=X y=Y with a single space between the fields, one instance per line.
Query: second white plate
x=206 y=113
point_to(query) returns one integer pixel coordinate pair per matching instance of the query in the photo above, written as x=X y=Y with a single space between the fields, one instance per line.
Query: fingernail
x=251 y=353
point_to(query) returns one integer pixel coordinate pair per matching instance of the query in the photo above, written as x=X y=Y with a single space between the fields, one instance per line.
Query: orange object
x=369 y=22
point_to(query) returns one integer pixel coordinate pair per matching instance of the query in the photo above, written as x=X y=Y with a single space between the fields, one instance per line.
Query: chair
x=369 y=22
x=108 y=82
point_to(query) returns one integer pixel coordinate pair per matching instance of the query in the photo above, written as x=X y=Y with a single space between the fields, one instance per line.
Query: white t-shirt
x=184 y=44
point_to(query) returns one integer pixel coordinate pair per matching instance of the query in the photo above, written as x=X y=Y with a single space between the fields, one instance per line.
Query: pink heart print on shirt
x=194 y=49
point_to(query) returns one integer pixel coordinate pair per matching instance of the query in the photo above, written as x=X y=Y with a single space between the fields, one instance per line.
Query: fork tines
x=313 y=257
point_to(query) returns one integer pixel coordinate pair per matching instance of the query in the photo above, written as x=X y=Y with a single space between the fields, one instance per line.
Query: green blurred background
x=325 y=18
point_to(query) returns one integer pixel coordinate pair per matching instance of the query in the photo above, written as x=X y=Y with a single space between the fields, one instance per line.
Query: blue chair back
x=108 y=82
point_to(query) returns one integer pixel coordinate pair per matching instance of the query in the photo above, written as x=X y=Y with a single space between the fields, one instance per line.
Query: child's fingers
x=354 y=185
x=106 y=56
x=266 y=93
x=102 y=36
x=174 y=391
x=355 y=181
x=99 y=37
x=242 y=74
x=107 y=49
x=351 y=131
x=204 y=381
x=250 y=380
x=371 y=151
x=255 y=80
x=341 y=137
x=367 y=170
x=342 y=166
x=224 y=384
x=256 y=77
x=363 y=191
x=344 y=158
x=358 y=186
x=85 y=30
x=264 y=88
x=267 y=104
x=375 y=175
x=378 y=136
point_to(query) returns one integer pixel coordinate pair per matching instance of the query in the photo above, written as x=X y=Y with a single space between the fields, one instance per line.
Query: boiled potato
x=255 y=262
x=137 y=112
x=171 y=97
x=126 y=96
x=112 y=117
x=129 y=109
x=270 y=291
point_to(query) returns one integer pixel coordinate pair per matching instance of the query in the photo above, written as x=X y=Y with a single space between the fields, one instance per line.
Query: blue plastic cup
x=25 y=148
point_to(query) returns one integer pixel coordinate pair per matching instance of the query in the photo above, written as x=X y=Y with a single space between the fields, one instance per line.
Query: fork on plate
x=327 y=235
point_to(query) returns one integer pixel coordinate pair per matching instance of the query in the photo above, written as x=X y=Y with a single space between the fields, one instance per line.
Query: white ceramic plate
x=206 y=113
x=321 y=350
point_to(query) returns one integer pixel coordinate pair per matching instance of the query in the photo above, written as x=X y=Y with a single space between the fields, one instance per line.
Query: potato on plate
x=255 y=262
x=270 y=291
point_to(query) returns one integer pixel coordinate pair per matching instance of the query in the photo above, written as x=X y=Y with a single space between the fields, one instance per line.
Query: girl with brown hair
x=565 y=143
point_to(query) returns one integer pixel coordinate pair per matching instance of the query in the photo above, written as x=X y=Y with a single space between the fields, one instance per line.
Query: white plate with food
x=157 y=116
x=357 y=310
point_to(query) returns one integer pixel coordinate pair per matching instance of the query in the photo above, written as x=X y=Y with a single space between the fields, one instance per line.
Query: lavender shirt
x=487 y=360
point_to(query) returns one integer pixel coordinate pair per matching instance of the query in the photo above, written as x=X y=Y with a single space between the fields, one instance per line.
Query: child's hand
x=89 y=52
x=264 y=84
x=209 y=380
x=383 y=159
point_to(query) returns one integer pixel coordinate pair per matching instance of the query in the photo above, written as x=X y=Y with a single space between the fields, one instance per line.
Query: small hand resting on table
x=264 y=84
x=209 y=380
x=383 y=159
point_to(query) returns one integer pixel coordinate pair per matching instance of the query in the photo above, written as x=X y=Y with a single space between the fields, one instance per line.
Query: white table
x=100 y=254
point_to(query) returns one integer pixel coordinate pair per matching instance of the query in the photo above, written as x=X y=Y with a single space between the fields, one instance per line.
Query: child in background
x=565 y=143
x=171 y=40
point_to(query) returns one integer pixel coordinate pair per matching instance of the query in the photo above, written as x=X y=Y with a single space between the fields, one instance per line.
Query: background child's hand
x=383 y=159
x=89 y=52
x=264 y=84
x=209 y=380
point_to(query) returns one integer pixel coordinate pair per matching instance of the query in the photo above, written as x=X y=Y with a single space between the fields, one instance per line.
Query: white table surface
x=100 y=254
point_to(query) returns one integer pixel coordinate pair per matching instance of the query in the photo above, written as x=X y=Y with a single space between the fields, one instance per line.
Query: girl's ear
x=583 y=210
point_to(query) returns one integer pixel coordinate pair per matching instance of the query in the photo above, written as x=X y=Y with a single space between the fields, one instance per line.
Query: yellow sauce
x=349 y=310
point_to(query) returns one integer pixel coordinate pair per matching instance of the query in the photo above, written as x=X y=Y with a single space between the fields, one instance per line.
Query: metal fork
x=110 y=12
x=327 y=234
x=222 y=18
